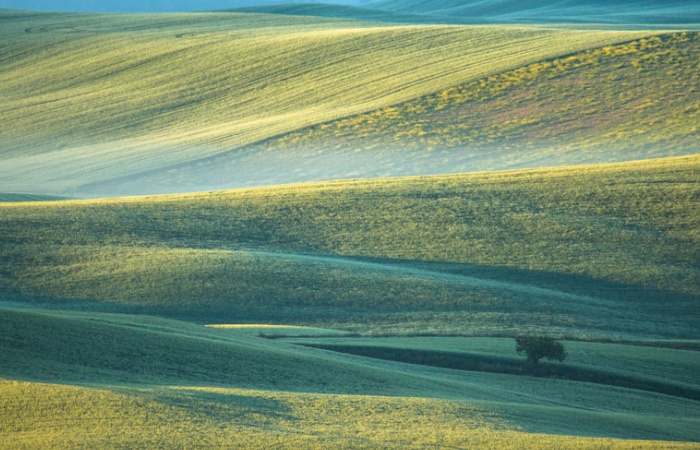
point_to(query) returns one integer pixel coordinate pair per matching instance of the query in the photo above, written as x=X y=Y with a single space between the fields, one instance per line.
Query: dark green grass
x=496 y=364
x=129 y=350
x=225 y=375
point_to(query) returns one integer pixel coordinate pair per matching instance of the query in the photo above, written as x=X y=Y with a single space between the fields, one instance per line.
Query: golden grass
x=88 y=98
x=54 y=416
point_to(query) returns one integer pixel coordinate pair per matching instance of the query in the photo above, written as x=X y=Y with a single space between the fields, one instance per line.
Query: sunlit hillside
x=629 y=101
x=636 y=100
x=90 y=98
x=597 y=250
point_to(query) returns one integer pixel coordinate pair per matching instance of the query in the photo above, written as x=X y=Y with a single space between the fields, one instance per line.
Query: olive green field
x=317 y=226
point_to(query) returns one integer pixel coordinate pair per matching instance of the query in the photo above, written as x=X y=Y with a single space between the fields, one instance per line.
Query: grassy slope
x=348 y=12
x=622 y=102
x=171 y=383
x=635 y=100
x=12 y=197
x=214 y=418
x=595 y=250
x=664 y=369
x=626 y=11
x=87 y=98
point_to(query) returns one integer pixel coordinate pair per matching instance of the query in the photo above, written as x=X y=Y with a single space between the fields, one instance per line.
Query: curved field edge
x=87 y=98
x=629 y=101
x=608 y=248
x=659 y=370
x=637 y=100
x=181 y=417
x=178 y=372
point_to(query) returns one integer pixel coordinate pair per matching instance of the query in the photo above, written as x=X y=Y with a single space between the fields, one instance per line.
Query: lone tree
x=538 y=347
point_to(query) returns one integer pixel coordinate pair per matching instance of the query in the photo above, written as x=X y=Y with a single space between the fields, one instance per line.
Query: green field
x=376 y=306
x=594 y=253
x=668 y=367
x=146 y=381
x=627 y=12
x=564 y=111
x=588 y=251
x=89 y=99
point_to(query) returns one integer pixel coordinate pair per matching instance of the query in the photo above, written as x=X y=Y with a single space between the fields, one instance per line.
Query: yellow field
x=87 y=98
x=187 y=417
x=628 y=101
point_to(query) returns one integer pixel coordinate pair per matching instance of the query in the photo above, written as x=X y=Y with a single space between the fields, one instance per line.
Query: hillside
x=376 y=306
x=605 y=251
x=91 y=98
x=636 y=100
x=171 y=385
x=136 y=6
x=350 y=12
x=568 y=11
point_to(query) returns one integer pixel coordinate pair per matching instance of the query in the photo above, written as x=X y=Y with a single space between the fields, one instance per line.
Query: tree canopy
x=538 y=347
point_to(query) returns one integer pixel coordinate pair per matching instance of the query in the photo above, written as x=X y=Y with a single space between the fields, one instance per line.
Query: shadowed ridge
x=352 y=13
x=569 y=11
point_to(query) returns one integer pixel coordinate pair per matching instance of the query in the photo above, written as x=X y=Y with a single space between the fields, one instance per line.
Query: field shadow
x=491 y=364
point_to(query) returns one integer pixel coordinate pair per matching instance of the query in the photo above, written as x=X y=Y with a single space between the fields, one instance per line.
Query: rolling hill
x=569 y=11
x=88 y=98
x=373 y=311
x=138 y=6
x=636 y=100
x=606 y=251
x=137 y=381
